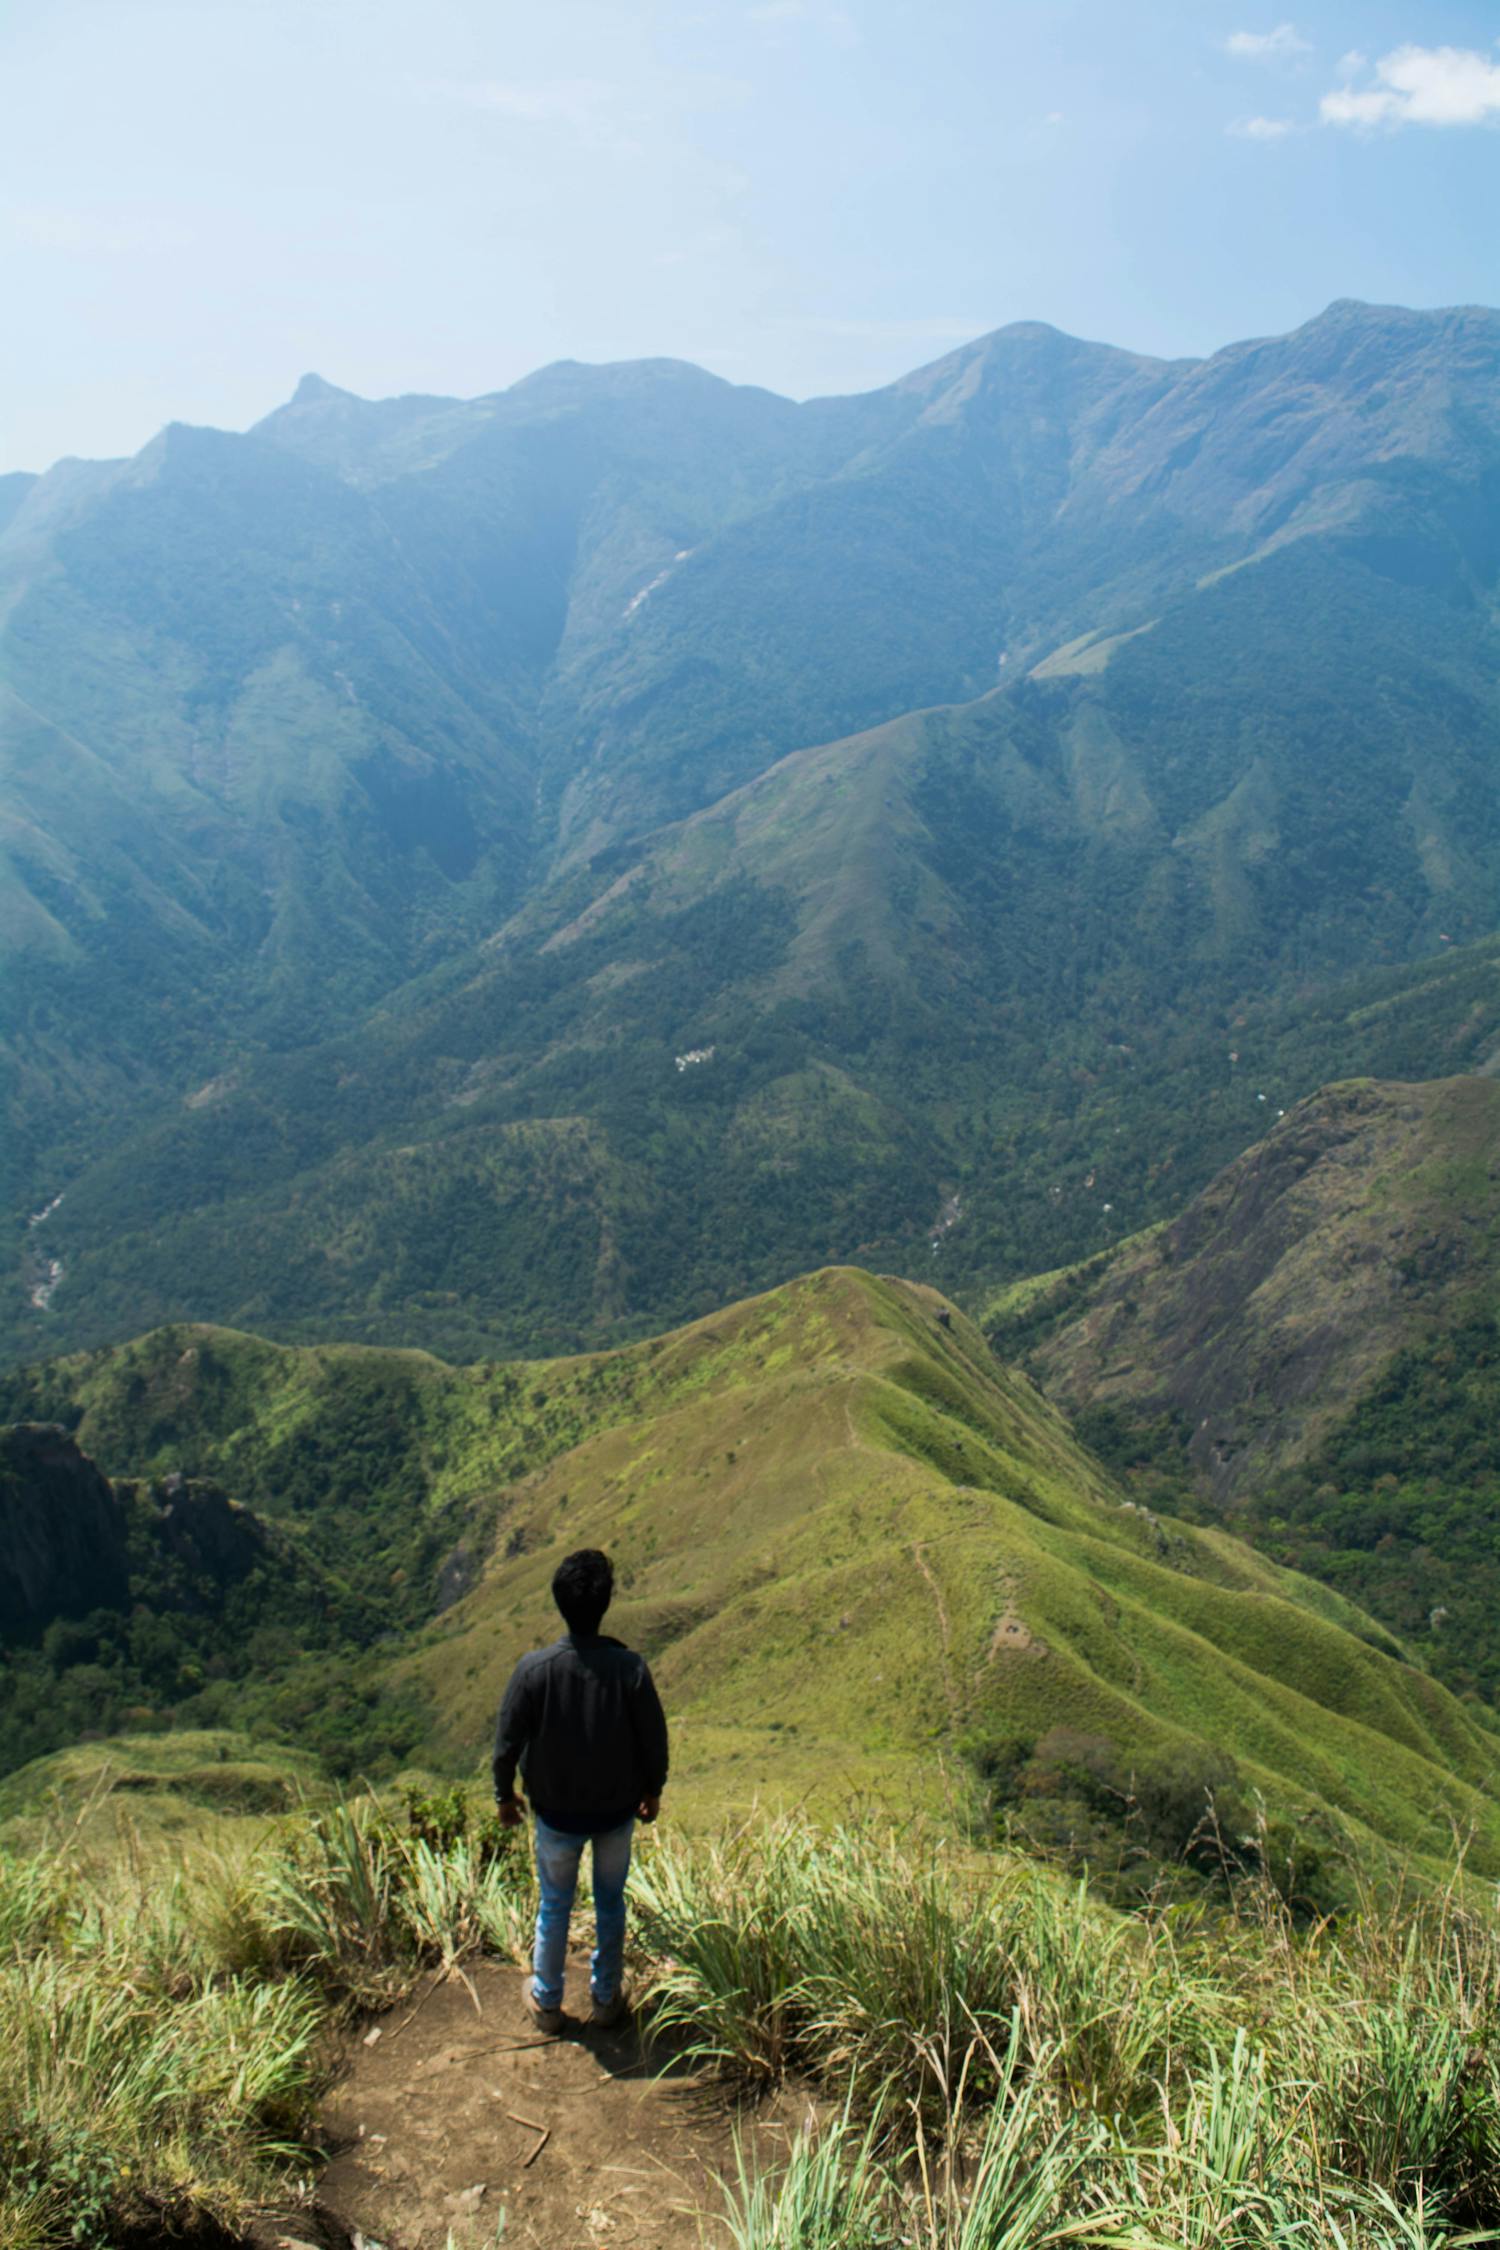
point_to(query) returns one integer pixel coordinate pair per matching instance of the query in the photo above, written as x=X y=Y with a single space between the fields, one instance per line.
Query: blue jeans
x=557 y=1862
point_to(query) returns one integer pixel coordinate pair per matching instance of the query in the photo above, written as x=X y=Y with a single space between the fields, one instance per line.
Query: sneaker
x=605 y=2014
x=546 y=2019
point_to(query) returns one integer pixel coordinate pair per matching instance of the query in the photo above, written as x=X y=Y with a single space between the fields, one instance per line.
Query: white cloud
x=1280 y=45
x=1346 y=107
x=1261 y=128
x=1420 y=86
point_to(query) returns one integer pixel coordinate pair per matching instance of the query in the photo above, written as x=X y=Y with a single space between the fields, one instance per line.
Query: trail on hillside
x=458 y=2120
x=945 y=1634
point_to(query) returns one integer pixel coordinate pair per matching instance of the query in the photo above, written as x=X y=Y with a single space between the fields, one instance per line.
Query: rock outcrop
x=62 y=1531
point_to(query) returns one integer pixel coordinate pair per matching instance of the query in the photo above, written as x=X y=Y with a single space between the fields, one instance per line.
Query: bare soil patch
x=459 y=2122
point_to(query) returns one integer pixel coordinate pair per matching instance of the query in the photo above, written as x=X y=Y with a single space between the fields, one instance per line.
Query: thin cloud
x=1283 y=44
x=834 y=23
x=582 y=104
x=1420 y=86
x=70 y=231
x=1261 y=128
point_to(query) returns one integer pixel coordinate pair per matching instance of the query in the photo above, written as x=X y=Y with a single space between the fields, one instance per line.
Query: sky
x=200 y=200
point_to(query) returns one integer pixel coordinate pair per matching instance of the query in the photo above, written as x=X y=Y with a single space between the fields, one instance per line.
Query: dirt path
x=454 y=2124
x=945 y=1633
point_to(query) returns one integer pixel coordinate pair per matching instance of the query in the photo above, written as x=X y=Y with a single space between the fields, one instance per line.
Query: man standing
x=585 y=1723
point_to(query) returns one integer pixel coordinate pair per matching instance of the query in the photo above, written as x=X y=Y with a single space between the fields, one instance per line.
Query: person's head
x=582 y=1587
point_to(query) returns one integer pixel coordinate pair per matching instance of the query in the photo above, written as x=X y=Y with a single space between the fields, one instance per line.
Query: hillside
x=1312 y=1350
x=862 y=1555
x=131 y=1598
x=973 y=767
x=115 y=1795
x=515 y=1163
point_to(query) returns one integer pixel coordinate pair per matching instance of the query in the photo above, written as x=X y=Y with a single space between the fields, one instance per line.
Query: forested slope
x=1310 y=1352
x=398 y=790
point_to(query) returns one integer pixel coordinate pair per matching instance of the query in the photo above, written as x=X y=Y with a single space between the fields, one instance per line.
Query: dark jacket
x=585 y=1724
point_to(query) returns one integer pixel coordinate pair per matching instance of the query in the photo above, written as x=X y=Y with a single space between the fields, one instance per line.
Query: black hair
x=583 y=1585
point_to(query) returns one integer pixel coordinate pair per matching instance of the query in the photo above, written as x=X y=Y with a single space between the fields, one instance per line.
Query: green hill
x=1311 y=1352
x=367 y=886
x=116 y=1791
x=862 y=1555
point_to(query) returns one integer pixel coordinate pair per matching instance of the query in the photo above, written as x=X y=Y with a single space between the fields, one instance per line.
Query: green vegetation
x=135 y=1787
x=162 y=1603
x=996 y=2057
x=1400 y=1508
x=369 y=884
x=1018 y=2066
x=167 y=2025
x=862 y=1557
x=1310 y=1355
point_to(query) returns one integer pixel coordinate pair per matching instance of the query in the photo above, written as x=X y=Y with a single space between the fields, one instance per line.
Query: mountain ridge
x=1309 y=1353
x=763 y=1478
x=1180 y=684
x=1338 y=313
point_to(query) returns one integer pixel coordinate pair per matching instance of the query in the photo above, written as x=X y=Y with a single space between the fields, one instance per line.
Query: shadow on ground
x=458 y=2121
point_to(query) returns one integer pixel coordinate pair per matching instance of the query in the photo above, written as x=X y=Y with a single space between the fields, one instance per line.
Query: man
x=585 y=1723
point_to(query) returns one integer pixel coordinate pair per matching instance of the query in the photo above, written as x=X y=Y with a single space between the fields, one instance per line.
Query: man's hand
x=648 y=1808
x=512 y=1811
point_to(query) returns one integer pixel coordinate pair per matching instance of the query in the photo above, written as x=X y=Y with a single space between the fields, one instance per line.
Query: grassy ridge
x=860 y=1553
x=851 y=1543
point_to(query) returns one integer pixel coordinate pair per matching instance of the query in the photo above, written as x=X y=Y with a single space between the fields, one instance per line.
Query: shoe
x=605 y=2014
x=549 y=2020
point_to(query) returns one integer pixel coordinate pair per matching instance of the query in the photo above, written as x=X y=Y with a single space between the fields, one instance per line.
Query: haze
x=199 y=203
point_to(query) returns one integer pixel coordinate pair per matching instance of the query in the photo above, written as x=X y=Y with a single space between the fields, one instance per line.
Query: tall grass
x=1001 y=2060
x=885 y=1966
x=1010 y=2062
x=165 y=2033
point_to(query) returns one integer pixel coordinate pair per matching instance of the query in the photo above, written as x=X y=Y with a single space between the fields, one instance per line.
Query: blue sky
x=201 y=199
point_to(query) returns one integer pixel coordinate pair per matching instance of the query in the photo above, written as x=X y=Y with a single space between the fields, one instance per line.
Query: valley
x=363 y=898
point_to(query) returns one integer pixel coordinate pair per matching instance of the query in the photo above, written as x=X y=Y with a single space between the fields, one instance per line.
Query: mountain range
x=502 y=875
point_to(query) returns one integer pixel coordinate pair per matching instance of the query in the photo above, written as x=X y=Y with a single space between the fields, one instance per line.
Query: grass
x=1009 y=2064
x=189 y=1782
x=851 y=1543
x=169 y=2018
x=990 y=2056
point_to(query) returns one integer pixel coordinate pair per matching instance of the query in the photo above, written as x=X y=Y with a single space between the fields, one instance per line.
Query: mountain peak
x=313 y=390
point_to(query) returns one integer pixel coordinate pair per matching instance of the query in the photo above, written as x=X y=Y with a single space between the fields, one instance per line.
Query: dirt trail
x=945 y=1631
x=440 y=2131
